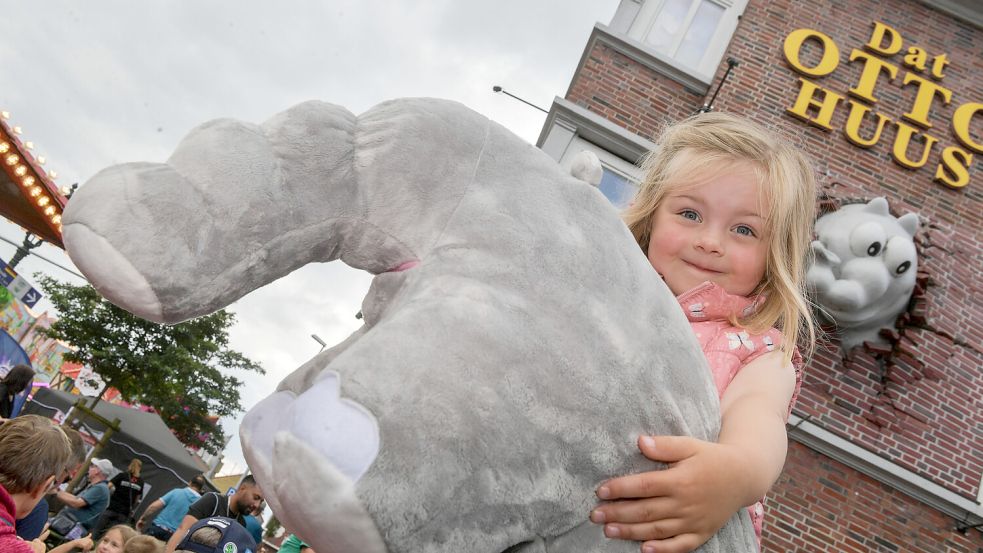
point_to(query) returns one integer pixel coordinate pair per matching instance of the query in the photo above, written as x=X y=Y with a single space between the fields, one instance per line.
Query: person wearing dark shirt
x=14 y=382
x=127 y=491
x=244 y=501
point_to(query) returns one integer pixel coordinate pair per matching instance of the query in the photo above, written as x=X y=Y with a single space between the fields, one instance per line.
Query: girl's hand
x=677 y=509
x=85 y=543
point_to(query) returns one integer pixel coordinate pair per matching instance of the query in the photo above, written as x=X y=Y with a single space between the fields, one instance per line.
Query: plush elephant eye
x=867 y=239
x=900 y=255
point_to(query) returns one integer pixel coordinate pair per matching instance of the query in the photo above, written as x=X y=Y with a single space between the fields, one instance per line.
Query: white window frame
x=635 y=18
x=570 y=129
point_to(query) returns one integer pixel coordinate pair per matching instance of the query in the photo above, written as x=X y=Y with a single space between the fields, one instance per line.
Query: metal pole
x=497 y=88
x=707 y=107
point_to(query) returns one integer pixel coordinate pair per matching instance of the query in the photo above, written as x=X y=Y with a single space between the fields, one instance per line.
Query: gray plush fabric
x=498 y=379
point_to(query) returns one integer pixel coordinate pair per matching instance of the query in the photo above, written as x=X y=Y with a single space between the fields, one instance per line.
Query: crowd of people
x=38 y=457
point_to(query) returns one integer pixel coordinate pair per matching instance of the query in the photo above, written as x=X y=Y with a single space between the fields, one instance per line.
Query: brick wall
x=824 y=506
x=924 y=412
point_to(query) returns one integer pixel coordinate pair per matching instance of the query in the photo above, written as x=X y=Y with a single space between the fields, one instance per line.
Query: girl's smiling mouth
x=701 y=268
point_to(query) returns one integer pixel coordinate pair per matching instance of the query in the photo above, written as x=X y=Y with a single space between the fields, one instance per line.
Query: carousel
x=28 y=193
x=30 y=198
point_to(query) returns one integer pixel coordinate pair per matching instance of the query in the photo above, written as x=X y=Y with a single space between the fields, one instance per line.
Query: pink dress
x=729 y=348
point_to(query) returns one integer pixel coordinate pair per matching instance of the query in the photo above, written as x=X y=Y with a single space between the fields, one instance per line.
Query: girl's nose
x=709 y=242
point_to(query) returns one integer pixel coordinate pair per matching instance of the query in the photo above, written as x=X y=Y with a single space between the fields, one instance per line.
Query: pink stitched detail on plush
x=405 y=265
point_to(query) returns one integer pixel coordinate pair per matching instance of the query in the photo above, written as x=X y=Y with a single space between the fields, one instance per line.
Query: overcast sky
x=103 y=82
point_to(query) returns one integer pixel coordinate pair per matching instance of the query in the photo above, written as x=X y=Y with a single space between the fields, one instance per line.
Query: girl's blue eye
x=744 y=230
x=689 y=214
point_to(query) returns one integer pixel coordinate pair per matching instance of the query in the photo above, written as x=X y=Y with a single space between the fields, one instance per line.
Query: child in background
x=33 y=455
x=143 y=544
x=115 y=539
x=725 y=217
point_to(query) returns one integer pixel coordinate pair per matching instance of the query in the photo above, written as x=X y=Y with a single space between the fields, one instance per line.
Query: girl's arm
x=679 y=508
x=84 y=544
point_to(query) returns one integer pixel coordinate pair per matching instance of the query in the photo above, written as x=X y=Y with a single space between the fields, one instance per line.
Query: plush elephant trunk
x=297 y=189
x=862 y=281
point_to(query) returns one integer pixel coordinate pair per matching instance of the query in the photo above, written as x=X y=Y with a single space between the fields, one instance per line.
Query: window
x=687 y=35
x=617 y=188
x=683 y=29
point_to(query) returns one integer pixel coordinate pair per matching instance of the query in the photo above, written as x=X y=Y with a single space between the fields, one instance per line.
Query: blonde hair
x=712 y=142
x=126 y=532
x=143 y=544
x=135 y=466
x=32 y=449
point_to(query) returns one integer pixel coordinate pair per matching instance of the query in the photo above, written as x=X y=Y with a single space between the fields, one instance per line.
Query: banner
x=12 y=354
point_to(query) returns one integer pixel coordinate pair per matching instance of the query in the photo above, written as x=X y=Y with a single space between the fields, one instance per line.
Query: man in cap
x=86 y=507
x=217 y=535
x=247 y=497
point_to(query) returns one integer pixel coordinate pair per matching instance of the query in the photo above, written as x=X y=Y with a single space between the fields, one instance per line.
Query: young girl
x=112 y=541
x=725 y=217
x=143 y=544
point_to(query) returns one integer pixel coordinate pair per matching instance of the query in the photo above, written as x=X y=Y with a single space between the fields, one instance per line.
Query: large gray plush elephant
x=516 y=341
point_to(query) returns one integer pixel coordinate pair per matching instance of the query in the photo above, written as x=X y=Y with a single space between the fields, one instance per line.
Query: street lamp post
x=497 y=88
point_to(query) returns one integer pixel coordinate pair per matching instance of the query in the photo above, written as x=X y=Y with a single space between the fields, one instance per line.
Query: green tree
x=271 y=527
x=179 y=370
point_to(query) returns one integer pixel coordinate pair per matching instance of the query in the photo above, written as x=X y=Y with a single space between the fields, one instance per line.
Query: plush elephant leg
x=331 y=493
x=329 y=440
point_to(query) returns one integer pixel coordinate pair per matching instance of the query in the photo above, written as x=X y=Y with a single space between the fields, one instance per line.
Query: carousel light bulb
x=12 y=159
x=28 y=181
x=35 y=192
x=5 y=114
x=29 y=144
x=4 y=147
x=43 y=201
x=41 y=160
x=20 y=171
x=50 y=210
x=18 y=130
x=56 y=220
x=52 y=174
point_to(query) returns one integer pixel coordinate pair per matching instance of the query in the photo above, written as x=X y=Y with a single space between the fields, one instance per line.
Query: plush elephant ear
x=240 y=205
x=909 y=222
x=877 y=205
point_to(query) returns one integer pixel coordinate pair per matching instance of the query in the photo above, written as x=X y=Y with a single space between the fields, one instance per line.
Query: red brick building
x=887 y=97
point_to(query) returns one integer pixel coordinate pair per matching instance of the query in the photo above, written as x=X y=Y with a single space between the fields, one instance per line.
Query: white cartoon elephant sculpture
x=864 y=268
x=515 y=339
